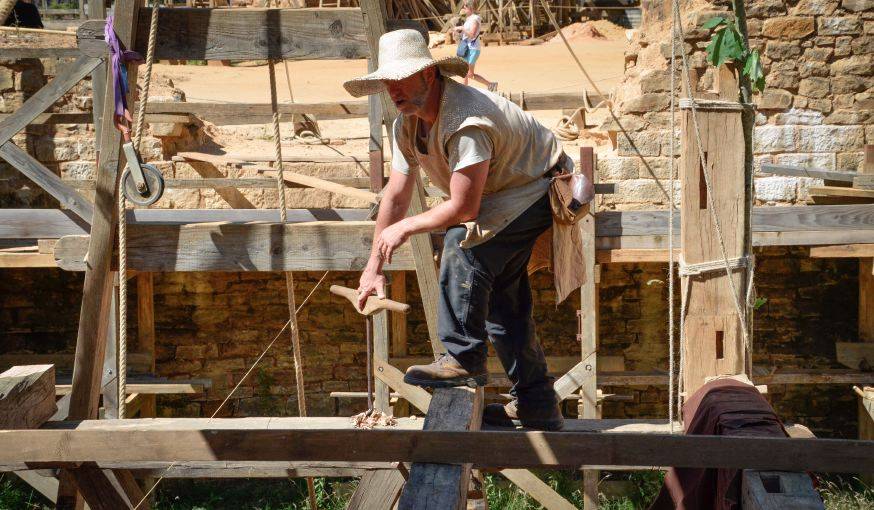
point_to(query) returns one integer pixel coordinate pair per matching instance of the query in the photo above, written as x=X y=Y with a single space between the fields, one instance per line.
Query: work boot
x=445 y=372
x=510 y=415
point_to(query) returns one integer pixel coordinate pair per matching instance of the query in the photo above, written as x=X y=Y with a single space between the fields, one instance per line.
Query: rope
x=122 y=218
x=567 y=129
x=235 y=388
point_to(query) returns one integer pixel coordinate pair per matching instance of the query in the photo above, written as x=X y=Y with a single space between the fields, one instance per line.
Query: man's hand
x=391 y=237
x=371 y=282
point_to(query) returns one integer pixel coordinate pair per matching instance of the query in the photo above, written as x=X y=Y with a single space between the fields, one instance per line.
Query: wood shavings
x=369 y=420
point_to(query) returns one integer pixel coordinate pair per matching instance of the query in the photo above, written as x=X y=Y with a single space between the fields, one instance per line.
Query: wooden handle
x=374 y=304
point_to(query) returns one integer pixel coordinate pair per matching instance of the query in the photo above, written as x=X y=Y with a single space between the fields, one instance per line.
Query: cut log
x=27 y=396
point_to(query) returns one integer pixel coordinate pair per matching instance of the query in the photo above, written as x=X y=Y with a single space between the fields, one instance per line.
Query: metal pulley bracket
x=142 y=183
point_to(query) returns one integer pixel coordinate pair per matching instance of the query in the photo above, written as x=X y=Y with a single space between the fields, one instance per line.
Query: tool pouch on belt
x=567 y=195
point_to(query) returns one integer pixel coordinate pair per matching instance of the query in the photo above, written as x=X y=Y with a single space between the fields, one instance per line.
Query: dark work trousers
x=484 y=292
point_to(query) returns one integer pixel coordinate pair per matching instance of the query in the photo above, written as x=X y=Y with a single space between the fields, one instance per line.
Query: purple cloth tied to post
x=117 y=58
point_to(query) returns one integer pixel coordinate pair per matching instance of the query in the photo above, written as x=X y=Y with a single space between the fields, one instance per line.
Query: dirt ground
x=542 y=68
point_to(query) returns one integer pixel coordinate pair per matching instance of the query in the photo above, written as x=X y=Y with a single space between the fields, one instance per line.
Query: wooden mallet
x=372 y=305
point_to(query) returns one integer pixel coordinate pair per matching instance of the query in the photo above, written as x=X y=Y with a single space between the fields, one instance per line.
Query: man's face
x=410 y=94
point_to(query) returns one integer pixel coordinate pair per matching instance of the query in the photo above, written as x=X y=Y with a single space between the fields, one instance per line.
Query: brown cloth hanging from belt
x=723 y=407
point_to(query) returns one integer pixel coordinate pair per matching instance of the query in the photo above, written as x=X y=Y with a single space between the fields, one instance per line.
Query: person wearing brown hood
x=496 y=164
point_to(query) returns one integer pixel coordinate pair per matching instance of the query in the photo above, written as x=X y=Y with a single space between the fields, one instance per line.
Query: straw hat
x=402 y=53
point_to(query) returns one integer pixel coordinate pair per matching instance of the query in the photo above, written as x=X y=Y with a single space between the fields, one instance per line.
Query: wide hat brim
x=372 y=83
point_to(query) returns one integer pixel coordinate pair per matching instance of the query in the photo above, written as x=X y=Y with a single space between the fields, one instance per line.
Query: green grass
x=250 y=494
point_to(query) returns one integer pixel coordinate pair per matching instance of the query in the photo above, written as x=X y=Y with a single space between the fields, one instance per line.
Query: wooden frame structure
x=192 y=241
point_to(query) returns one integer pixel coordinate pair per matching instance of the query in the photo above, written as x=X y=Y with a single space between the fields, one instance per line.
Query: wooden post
x=97 y=10
x=587 y=407
x=866 y=423
x=27 y=396
x=146 y=334
x=866 y=273
x=423 y=253
x=714 y=343
x=97 y=292
x=109 y=377
x=444 y=486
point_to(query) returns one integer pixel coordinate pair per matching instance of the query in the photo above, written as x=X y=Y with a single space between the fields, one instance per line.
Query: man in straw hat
x=494 y=162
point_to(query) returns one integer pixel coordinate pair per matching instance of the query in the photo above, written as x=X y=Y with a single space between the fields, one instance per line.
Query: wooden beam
x=856 y=355
x=866 y=423
x=9 y=260
x=537 y=489
x=96 y=296
x=20 y=53
x=503 y=449
x=817 y=173
x=843 y=251
x=48 y=181
x=444 y=486
x=325 y=185
x=336 y=246
x=850 y=195
x=162 y=388
x=775 y=490
x=248 y=34
x=146 y=332
x=399 y=320
x=377 y=489
x=27 y=397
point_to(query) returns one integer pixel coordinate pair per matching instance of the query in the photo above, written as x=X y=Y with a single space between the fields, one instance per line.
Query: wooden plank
x=775 y=490
x=40 y=224
x=27 y=398
x=557 y=364
x=253 y=113
x=205 y=183
x=835 y=191
x=537 y=489
x=100 y=490
x=394 y=378
x=621 y=256
x=444 y=486
x=56 y=118
x=843 y=251
x=9 y=260
x=380 y=355
x=856 y=355
x=64 y=361
x=20 y=53
x=576 y=377
x=326 y=185
x=48 y=181
x=377 y=490
x=399 y=320
x=96 y=296
x=244 y=34
x=46 y=96
x=335 y=246
x=503 y=449
x=866 y=424
x=146 y=332
x=817 y=173
x=714 y=341
x=161 y=388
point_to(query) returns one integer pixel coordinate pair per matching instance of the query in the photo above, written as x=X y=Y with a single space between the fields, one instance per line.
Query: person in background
x=470 y=33
x=24 y=15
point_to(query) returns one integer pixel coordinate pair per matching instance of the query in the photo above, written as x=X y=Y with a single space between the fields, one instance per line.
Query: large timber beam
x=244 y=440
x=247 y=34
x=27 y=396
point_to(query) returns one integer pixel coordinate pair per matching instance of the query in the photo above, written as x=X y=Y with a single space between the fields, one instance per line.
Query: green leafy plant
x=728 y=44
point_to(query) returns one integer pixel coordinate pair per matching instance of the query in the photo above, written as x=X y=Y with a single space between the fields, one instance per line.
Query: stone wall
x=815 y=110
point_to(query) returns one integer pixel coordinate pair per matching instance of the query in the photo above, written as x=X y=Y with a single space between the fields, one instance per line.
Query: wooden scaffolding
x=447 y=446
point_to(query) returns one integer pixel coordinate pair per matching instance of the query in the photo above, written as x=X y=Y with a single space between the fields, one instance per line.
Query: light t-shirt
x=469 y=146
x=469 y=23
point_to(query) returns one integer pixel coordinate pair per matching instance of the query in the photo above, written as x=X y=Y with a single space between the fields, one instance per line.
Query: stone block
x=814 y=87
x=849 y=117
x=788 y=27
x=654 y=80
x=646 y=103
x=864 y=101
x=659 y=168
x=615 y=168
x=639 y=191
x=782 y=80
x=808 y=68
x=842 y=101
x=647 y=143
x=814 y=160
x=814 y=7
x=840 y=25
x=7 y=79
x=766 y=8
x=167 y=129
x=849 y=160
x=824 y=40
x=823 y=105
x=776 y=189
x=78 y=170
x=782 y=50
x=770 y=139
x=863 y=45
x=856 y=5
x=847 y=83
x=818 y=54
x=775 y=99
x=843 y=46
x=830 y=138
x=48 y=149
x=10 y=102
x=804 y=184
